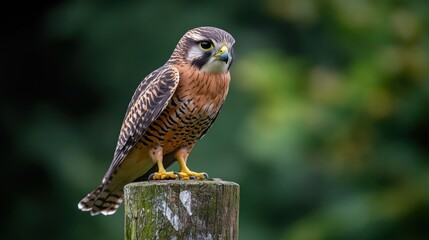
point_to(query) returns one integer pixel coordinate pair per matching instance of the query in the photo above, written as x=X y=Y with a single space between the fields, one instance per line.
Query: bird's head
x=209 y=49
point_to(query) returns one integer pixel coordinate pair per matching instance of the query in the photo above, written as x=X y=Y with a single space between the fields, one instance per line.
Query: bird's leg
x=156 y=155
x=185 y=173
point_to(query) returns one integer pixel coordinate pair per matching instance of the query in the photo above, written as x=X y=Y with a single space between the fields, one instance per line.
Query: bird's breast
x=186 y=123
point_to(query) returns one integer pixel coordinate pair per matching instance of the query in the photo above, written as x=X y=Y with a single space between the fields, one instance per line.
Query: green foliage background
x=325 y=127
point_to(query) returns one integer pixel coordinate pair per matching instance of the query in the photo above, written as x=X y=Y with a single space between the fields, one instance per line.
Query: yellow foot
x=162 y=175
x=192 y=175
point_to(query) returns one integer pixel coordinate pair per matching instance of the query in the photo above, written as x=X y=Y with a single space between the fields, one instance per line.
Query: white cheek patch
x=193 y=53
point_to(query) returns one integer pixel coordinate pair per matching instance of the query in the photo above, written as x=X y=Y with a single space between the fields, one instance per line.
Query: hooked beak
x=223 y=54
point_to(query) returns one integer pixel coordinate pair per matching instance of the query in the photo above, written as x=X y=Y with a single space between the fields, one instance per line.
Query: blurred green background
x=325 y=127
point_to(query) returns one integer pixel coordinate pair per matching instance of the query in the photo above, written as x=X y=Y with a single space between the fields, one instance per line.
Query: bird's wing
x=150 y=99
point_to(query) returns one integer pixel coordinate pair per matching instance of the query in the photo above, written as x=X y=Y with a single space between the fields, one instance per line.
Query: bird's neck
x=211 y=85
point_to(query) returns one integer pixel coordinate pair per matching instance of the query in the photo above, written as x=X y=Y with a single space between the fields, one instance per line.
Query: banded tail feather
x=102 y=200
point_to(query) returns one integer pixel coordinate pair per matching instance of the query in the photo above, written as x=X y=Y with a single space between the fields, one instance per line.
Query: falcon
x=171 y=109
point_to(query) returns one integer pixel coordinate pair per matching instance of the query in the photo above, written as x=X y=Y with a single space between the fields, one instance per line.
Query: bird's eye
x=206 y=45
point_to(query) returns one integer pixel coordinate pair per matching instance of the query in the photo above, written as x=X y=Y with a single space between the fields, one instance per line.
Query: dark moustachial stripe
x=200 y=62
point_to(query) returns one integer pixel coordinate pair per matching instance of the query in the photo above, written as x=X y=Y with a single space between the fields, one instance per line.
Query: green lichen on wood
x=176 y=209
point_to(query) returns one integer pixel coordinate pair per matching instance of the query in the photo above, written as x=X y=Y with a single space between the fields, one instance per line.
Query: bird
x=172 y=108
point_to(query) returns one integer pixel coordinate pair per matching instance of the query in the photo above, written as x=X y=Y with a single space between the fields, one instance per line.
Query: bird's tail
x=102 y=200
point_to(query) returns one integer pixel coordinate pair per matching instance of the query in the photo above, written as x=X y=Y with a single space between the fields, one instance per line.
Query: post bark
x=179 y=209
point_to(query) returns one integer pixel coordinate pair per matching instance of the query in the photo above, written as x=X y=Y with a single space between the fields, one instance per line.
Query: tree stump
x=179 y=209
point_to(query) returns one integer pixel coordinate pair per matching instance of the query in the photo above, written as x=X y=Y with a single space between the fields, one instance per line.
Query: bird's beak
x=223 y=54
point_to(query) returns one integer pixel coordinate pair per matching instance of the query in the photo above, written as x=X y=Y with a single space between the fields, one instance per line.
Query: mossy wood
x=179 y=209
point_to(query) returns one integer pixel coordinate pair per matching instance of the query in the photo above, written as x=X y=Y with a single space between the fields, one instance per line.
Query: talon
x=206 y=176
x=192 y=177
x=151 y=177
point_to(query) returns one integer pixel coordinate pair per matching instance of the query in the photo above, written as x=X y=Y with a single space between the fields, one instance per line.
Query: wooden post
x=180 y=209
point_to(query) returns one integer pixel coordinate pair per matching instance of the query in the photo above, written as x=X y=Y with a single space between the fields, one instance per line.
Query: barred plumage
x=172 y=108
